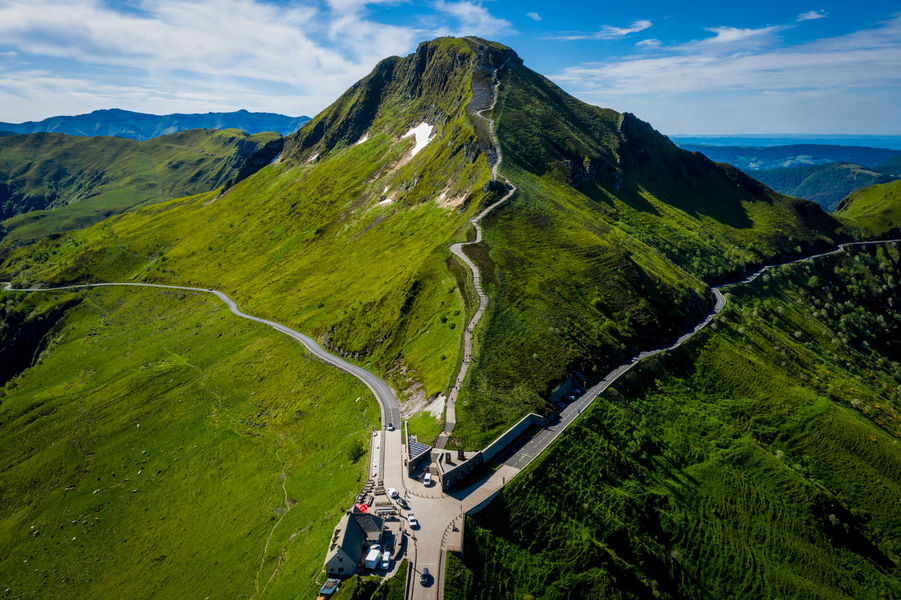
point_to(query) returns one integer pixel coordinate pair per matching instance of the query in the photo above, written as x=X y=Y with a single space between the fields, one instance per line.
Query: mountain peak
x=431 y=85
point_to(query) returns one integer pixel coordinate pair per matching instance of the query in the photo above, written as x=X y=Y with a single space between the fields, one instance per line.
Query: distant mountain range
x=823 y=173
x=142 y=126
x=758 y=158
x=780 y=139
x=825 y=184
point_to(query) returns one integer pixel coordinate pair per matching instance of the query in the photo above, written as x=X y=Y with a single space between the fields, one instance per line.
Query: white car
x=411 y=518
x=386 y=559
x=427 y=480
x=392 y=493
x=390 y=426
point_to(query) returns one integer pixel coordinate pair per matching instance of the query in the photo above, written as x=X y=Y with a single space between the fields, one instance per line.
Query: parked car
x=411 y=518
x=386 y=559
x=424 y=577
x=392 y=493
x=427 y=480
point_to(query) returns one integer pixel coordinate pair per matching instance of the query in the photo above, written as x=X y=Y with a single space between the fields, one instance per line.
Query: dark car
x=424 y=577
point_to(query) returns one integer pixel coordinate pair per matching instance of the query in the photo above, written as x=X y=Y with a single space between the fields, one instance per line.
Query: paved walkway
x=450 y=414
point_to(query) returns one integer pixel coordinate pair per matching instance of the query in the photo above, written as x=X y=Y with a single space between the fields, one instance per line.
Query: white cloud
x=812 y=15
x=233 y=38
x=473 y=18
x=355 y=5
x=607 y=32
x=862 y=64
x=649 y=43
x=730 y=35
x=534 y=16
x=162 y=55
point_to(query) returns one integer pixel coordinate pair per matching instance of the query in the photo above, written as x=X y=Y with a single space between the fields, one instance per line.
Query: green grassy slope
x=53 y=182
x=607 y=247
x=826 y=185
x=874 y=211
x=760 y=460
x=345 y=240
x=155 y=446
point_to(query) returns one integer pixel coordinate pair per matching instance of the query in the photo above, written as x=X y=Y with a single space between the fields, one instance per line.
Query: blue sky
x=688 y=68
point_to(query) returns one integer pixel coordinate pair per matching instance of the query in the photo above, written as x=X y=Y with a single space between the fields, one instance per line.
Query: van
x=372 y=558
x=427 y=480
x=386 y=559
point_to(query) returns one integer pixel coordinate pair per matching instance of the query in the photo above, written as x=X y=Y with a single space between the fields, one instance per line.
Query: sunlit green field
x=162 y=447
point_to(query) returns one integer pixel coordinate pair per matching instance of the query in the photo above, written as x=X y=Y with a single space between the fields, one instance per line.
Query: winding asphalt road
x=450 y=415
x=388 y=404
x=440 y=513
x=531 y=449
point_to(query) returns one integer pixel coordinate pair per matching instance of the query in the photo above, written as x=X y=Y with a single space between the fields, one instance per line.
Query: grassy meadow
x=607 y=247
x=760 y=460
x=161 y=447
x=346 y=241
x=874 y=211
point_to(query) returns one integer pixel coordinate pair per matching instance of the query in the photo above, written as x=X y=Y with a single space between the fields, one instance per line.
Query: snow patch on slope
x=422 y=134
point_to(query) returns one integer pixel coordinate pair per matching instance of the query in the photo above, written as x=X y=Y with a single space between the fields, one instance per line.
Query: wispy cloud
x=186 y=55
x=534 y=16
x=812 y=15
x=730 y=35
x=473 y=18
x=844 y=84
x=869 y=57
x=607 y=32
x=649 y=43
